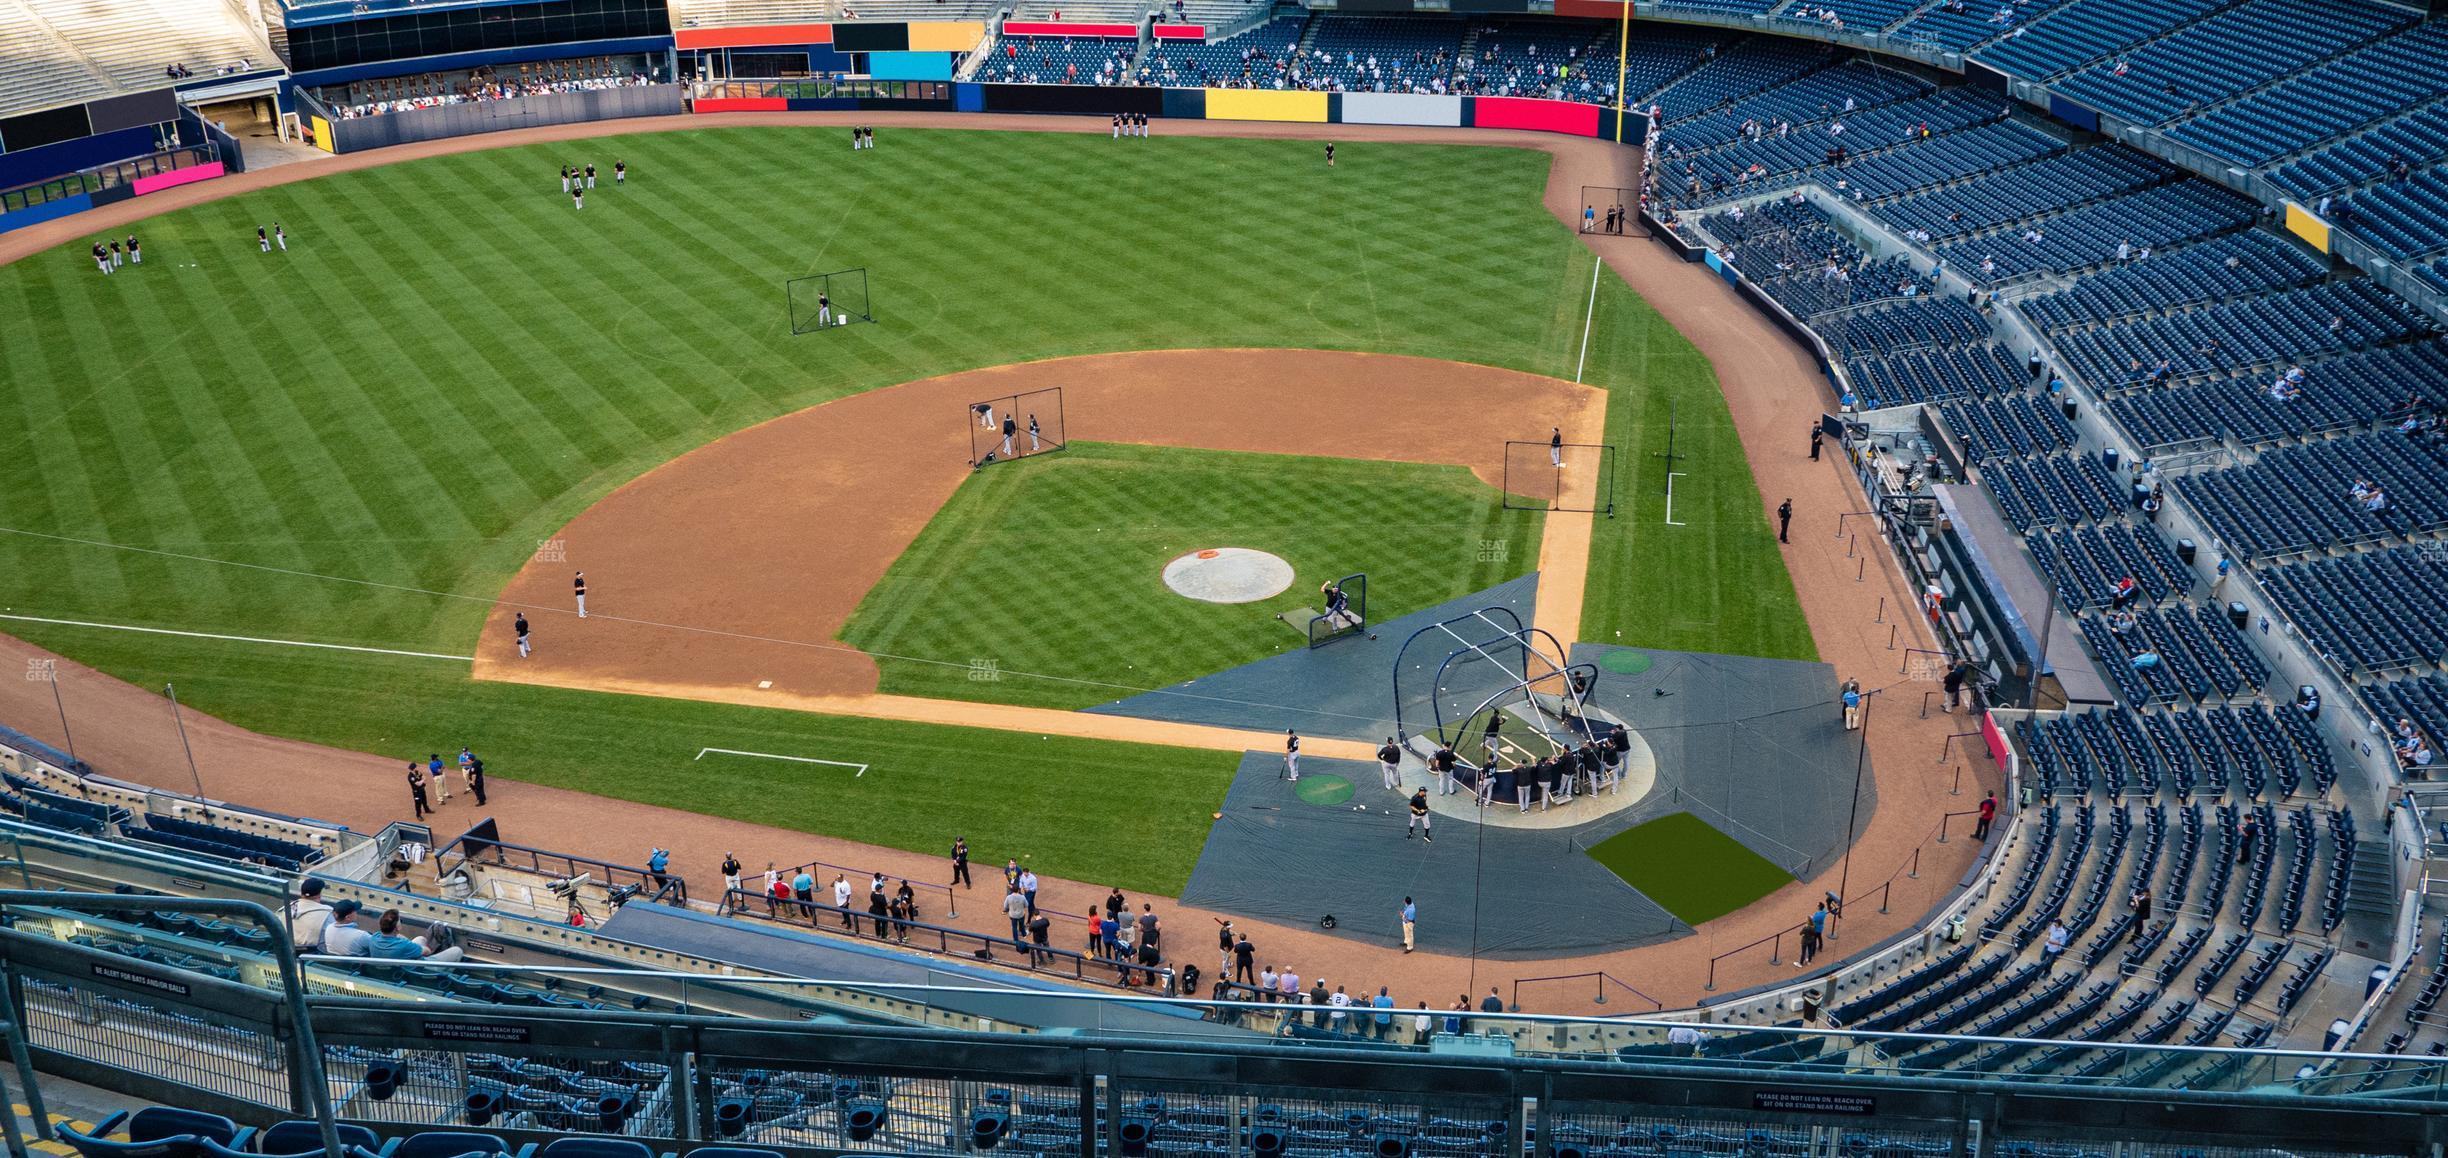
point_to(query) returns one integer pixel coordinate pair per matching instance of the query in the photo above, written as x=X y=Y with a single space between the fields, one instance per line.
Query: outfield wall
x=1571 y=118
x=560 y=108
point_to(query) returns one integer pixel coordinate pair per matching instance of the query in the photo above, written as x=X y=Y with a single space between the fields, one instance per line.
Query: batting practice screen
x=822 y=300
x=1597 y=201
x=1015 y=426
x=1578 y=477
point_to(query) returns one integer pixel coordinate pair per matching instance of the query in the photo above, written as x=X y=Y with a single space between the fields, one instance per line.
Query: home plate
x=1228 y=575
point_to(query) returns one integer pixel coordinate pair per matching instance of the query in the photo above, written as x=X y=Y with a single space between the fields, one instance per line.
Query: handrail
x=951 y=899
x=308 y=1056
x=979 y=946
x=1777 y=939
x=645 y=879
x=1603 y=977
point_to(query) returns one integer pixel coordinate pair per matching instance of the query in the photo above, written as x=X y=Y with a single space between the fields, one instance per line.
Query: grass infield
x=1694 y=871
x=1053 y=567
x=359 y=441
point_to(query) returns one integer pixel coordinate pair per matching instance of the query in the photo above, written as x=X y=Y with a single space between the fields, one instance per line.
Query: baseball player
x=1555 y=445
x=1419 y=816
x=101 y=258
x=118 y=256
x=580 y=584
x=1291 y=755
x=135 y=252
x=1443 y=764
x=824 y=308
x=577 y=196
x=1389 y=764
x=281 y=236
x=590 y=175
x=565 y=178
x=1009 y=428
x=520 y=625
x=1034 y=444
x=263 y=240
x=620 y=172
x=1330 y=154
x=985 y=413
x=1117 y=126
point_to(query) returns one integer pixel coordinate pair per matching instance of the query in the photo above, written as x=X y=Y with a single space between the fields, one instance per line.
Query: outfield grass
x=361 y=440
x=1696 y=872
x=1062 y=559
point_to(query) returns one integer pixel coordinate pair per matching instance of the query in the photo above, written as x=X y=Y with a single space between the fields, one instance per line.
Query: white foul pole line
x=1670 y=477
x=701 y=754
x=1586 y=318
x=237 y=638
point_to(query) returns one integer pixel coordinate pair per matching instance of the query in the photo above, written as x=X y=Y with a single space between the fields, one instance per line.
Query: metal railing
x=101 y=177
x=667 y=887
x=945 y=940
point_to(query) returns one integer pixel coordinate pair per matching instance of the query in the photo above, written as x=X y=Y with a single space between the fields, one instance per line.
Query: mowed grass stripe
x=1053 y=566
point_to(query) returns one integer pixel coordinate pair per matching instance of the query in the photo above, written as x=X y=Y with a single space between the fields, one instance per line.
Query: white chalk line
x=1586 y=318
x=239 y=638
x=1670 y=477
x=701 y=754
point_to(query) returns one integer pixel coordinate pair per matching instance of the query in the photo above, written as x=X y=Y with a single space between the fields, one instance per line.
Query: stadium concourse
x=1852 y=616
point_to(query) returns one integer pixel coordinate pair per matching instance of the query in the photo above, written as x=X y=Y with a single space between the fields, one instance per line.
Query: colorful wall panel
x=2301 y=222
x=753 y=36
x=1580 y=120
x=910 y=65
x=945 y=35
x=177 y=177
x=1051 y=28
x=47 y=211
x=1244 y=104
x=1386 y=108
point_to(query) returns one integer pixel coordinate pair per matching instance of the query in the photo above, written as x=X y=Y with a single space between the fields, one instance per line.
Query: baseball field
x=359 y=442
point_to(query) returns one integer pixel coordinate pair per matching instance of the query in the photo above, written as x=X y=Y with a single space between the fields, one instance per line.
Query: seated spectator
x=342 y=937
x=388 y=943
x=2056 y=942
x=2122 y=622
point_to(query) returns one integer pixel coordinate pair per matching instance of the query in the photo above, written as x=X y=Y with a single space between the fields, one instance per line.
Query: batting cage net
x=1451 y=677
x=1015 y=426
x=1608 y=209
x=824 y=300
x=1577 y=476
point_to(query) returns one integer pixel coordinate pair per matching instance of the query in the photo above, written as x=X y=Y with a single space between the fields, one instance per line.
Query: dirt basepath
x=1772 y=387
x=787 y=525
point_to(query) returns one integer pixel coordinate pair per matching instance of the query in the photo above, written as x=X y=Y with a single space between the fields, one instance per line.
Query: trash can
x=2069 y=409
x=2239 y=615
x=2111 y=455
x=2379 y=977
x=2185 y=551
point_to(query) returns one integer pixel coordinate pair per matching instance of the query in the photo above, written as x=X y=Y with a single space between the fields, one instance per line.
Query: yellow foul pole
x=1623 y=39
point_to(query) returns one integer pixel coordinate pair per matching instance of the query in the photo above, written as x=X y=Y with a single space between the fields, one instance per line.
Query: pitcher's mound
x=1228 y=575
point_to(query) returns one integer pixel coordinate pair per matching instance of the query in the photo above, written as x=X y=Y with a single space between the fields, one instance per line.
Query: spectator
x=1016 y=910
x=2056 y=941
x=343 y=937
x=1988 y=816
x=308 y=916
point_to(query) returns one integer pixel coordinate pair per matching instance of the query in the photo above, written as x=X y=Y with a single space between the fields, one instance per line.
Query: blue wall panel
x=47 y=211
x=27 y=166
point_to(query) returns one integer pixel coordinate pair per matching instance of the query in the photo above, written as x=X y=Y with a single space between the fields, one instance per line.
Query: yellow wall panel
x=945 y=35
x=2301 y=223
x=1250 y=104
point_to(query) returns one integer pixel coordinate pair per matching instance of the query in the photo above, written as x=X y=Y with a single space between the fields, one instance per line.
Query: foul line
x=1670 y=477
x=239 y=638
x=701 y=754
x=1586 y=317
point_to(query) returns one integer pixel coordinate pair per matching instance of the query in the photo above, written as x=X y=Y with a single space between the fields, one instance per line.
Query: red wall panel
x=742 y=105
x=1049 y=28
x=1580 y=120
